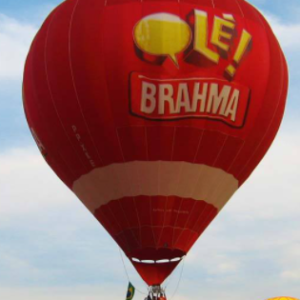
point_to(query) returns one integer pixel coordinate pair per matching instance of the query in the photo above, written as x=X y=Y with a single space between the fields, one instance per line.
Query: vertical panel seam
x=52 y=96
x=74 y=83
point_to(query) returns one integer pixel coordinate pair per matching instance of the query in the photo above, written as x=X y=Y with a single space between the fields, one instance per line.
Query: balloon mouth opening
x=161 y=261
x=157 y=256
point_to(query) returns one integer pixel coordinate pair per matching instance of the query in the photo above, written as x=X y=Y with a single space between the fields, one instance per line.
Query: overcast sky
x=52 y=248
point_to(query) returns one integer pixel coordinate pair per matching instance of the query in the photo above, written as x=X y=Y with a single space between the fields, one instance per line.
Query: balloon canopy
x=283 y=298
x=154 y=113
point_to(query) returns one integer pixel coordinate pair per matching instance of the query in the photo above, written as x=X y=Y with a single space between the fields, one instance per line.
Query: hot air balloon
x=283 y=298
x=154 y=113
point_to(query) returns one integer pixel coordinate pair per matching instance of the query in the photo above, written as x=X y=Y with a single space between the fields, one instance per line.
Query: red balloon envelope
x=154 y=113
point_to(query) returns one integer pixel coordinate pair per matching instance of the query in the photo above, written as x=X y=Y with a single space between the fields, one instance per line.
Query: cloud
x=27 y=184
x=272 y=192
x=288 y=33
x=253 y=247
x=291 y=261
x=74 y=293
x=15 y=40
x=51 y=243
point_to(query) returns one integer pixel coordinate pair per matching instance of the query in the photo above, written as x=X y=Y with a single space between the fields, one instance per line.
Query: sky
x=52 y=248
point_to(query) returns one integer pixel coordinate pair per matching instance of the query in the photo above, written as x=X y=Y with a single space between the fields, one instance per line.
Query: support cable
x=127 y=275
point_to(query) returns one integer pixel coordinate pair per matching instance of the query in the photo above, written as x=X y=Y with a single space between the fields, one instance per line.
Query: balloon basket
x=156 y=292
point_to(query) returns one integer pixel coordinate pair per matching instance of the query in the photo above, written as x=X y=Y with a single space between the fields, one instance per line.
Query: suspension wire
x=169 y=280
x=171 y=277
x=127 y=275
x=180 y=277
